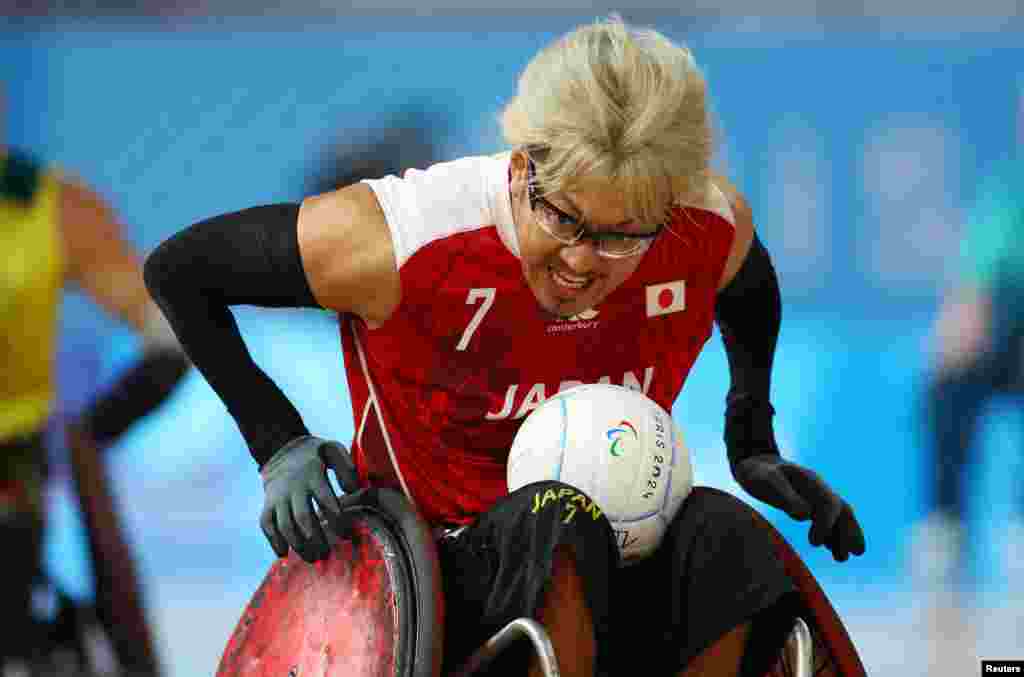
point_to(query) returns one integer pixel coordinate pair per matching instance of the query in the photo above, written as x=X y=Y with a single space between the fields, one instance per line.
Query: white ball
x=617 y=446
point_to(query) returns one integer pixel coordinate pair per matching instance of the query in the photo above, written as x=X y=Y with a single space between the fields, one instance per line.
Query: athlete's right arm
x=334 y=251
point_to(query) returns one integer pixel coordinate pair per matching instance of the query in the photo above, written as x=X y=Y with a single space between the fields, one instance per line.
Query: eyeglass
x=568 y=230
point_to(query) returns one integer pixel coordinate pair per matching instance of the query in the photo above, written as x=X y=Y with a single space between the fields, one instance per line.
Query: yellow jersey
x=31 y=278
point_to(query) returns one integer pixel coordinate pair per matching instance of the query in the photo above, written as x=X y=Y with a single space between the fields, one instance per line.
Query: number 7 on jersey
x=485 y=294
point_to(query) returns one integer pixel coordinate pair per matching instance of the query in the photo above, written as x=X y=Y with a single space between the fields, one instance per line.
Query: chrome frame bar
x=517 y=629
x=801 y=644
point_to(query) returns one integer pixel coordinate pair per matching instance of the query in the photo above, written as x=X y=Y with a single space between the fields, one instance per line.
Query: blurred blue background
x=857 y=145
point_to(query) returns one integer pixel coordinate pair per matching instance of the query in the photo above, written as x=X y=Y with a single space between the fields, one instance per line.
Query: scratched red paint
x=330 y=619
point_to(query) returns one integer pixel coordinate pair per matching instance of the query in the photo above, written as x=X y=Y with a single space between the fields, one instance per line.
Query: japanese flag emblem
x=666 y=298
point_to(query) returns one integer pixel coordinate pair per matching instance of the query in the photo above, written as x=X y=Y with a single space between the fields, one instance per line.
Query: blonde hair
x=614 y=102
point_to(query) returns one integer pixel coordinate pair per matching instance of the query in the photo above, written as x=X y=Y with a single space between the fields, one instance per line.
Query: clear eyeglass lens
x=620 y=246
x=554 y=224
x=569 y=233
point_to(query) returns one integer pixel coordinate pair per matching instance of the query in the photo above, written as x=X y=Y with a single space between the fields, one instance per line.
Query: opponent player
x=601 y=247
x=55 y=231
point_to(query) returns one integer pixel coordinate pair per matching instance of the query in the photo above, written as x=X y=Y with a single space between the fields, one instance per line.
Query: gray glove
x=294 y=477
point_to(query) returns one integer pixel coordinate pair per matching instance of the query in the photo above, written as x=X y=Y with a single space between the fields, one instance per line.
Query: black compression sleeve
x=249 y=257
x=749 y=313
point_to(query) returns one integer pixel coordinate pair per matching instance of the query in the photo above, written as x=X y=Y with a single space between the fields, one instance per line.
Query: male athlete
x=600 y=248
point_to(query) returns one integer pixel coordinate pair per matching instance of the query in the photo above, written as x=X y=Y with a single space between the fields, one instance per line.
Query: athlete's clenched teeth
x=569 y=281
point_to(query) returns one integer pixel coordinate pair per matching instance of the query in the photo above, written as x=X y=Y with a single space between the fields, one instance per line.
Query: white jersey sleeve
x=440 y=201
x=715 y=201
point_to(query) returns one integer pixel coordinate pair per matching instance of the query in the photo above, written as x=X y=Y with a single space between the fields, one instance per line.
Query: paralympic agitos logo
x=615 y=435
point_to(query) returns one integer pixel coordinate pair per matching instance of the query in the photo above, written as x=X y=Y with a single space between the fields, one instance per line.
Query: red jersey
x=440 y=388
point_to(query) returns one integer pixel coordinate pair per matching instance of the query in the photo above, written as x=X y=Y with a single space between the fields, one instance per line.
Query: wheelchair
x=374 y=608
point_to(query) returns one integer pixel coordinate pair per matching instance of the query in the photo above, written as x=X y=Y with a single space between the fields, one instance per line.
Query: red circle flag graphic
x=665 y=298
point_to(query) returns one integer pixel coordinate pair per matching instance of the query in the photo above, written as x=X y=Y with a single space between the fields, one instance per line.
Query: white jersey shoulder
x=713 y=200
x=425 y=205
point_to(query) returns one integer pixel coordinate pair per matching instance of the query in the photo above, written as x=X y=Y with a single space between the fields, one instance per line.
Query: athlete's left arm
x=748 y=311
